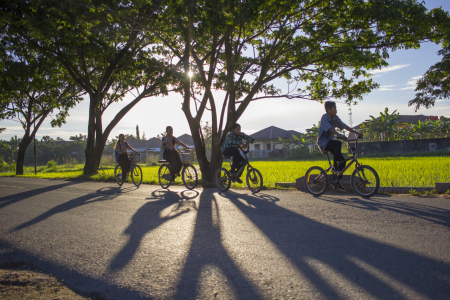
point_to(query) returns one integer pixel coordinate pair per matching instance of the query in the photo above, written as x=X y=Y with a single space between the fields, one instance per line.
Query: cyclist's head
x=330 y=107
x=121 y=137
x=236 y=128
x=169 y=130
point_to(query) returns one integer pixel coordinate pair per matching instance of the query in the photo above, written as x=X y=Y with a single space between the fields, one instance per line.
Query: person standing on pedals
x=170 y=154
x=121 y=155
x=231 y=148
x=325 y=140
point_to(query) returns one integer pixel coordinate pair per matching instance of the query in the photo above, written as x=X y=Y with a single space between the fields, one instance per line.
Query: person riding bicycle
x=170 y=154
x=122 y=159
x=325 y=140
x=231 y=148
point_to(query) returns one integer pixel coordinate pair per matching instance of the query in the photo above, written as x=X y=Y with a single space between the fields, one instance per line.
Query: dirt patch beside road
x=21 y=280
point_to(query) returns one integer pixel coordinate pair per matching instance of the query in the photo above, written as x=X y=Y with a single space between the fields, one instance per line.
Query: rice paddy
x=393 y=171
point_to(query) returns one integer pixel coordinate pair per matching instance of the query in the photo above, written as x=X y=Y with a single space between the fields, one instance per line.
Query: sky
x=397 y=84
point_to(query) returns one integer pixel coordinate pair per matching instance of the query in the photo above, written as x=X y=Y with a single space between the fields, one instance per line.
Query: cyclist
x=230 y=148
x=170 y=154
x=325 y=141
x=122 y=159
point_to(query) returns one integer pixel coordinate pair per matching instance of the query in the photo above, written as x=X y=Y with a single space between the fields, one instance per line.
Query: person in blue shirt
x=231 y=148
x=325 y=140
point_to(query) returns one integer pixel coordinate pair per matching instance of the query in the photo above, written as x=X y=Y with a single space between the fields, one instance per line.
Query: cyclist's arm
x=181 y=143
x=354 y=131
x=131 y=148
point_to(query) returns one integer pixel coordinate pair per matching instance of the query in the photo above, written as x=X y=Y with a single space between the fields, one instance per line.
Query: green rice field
x=393 y=171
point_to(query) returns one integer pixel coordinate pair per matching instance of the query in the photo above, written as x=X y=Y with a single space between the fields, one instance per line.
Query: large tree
x=322 y=48
x=32 y=87
x=435 y=84
x=103 y=50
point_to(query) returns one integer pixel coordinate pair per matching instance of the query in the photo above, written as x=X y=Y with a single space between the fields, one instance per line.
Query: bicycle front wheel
x=189 y=176
x=316 y=181
x=164 y=176
x=136 y=175
x=254 y=180
x=365 y=181
x=118 y=175
x=223 y=179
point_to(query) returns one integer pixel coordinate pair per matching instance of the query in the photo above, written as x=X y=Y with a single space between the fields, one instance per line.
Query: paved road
x=128 y=243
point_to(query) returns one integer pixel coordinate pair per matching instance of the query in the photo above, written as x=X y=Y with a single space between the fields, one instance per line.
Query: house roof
x=186 y=138
x=405 y=119
x=272 y=133
x=154 y=143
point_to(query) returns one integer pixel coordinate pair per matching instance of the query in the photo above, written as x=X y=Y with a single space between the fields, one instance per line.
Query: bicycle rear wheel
x=189 y=176
x=223 y=179
x=254 y=180
x=316 y=181
x=118 y=175
x=136 y=175
x=164 y=175
x=365 y=181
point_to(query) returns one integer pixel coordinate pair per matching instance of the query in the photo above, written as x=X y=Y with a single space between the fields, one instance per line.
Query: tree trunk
x=90 y=165
x=21 y=154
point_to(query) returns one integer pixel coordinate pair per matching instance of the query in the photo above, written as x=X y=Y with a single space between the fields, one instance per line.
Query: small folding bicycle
x=254 y=178
x=135 y=170
x=364 y=180
x=188 y=172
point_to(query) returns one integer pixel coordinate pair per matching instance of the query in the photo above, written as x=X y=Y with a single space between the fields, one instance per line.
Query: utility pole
x=34 y=124
x=350 y=120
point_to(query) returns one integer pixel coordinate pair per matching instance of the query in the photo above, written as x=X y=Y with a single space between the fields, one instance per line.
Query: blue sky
x=397 y=83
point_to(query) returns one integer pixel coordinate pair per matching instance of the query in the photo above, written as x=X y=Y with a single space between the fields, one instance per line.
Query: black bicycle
x=135 y=170
x=254 y=178
x=364 y=180
x=188 y=172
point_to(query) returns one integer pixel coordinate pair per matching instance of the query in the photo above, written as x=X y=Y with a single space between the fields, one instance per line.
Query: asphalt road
x=129 y=243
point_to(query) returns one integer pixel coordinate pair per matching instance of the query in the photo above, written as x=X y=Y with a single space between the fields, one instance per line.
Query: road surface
x=133 y=243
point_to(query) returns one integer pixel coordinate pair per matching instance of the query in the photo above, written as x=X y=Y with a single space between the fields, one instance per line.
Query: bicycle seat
x=162 y=161
x=325 y=152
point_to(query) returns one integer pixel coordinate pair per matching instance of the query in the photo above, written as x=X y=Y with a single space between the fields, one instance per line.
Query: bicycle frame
x=241 y=170
x=352 y=160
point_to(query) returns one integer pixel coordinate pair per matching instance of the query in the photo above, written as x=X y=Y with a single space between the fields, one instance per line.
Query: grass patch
x=393 y=171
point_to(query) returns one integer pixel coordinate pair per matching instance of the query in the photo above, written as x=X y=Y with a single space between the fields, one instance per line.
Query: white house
x=264 y=141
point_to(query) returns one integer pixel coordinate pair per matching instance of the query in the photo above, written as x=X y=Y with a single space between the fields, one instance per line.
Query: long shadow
x=436 y=215
x=92 y=287
x=71 y=204
x=207 y=250
x=8 y=200
x=147 y=218
x=360 y=260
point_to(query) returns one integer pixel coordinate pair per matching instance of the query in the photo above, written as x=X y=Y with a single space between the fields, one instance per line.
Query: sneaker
x=335 y=170
x=340 y=187
x=233 y=176
x=238 y=180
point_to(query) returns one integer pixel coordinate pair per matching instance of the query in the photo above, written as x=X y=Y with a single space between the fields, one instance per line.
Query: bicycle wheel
x=316 y=181
x=136 y=175
x=118 y=175
x=164 y=175
x=189 y=176
x=223 y=179
x=365 y=181
x=254 y=180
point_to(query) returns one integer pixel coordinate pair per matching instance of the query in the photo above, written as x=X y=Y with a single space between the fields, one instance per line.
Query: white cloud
x=408 y=88
x=388 y=69
x=386 y=88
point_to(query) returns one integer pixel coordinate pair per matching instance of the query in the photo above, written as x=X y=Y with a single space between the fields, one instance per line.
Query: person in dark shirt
x=325 y=140
x=231 y=148
x=122 y=157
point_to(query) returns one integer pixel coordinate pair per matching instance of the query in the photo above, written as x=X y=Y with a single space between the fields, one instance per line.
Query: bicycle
x=254 y=178
x=188 y=173
x=135 y=170
x=364 y=179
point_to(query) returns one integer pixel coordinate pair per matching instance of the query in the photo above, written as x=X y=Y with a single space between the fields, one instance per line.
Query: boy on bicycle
x=325 y=140
x=170 y=154
x=231 y=148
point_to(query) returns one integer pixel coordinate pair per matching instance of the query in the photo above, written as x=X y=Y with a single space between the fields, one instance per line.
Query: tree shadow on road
x=426 y=212
x=207 y=250
x=371 y=265
x=102 y=194
x=8 y=200
x=147 y=218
